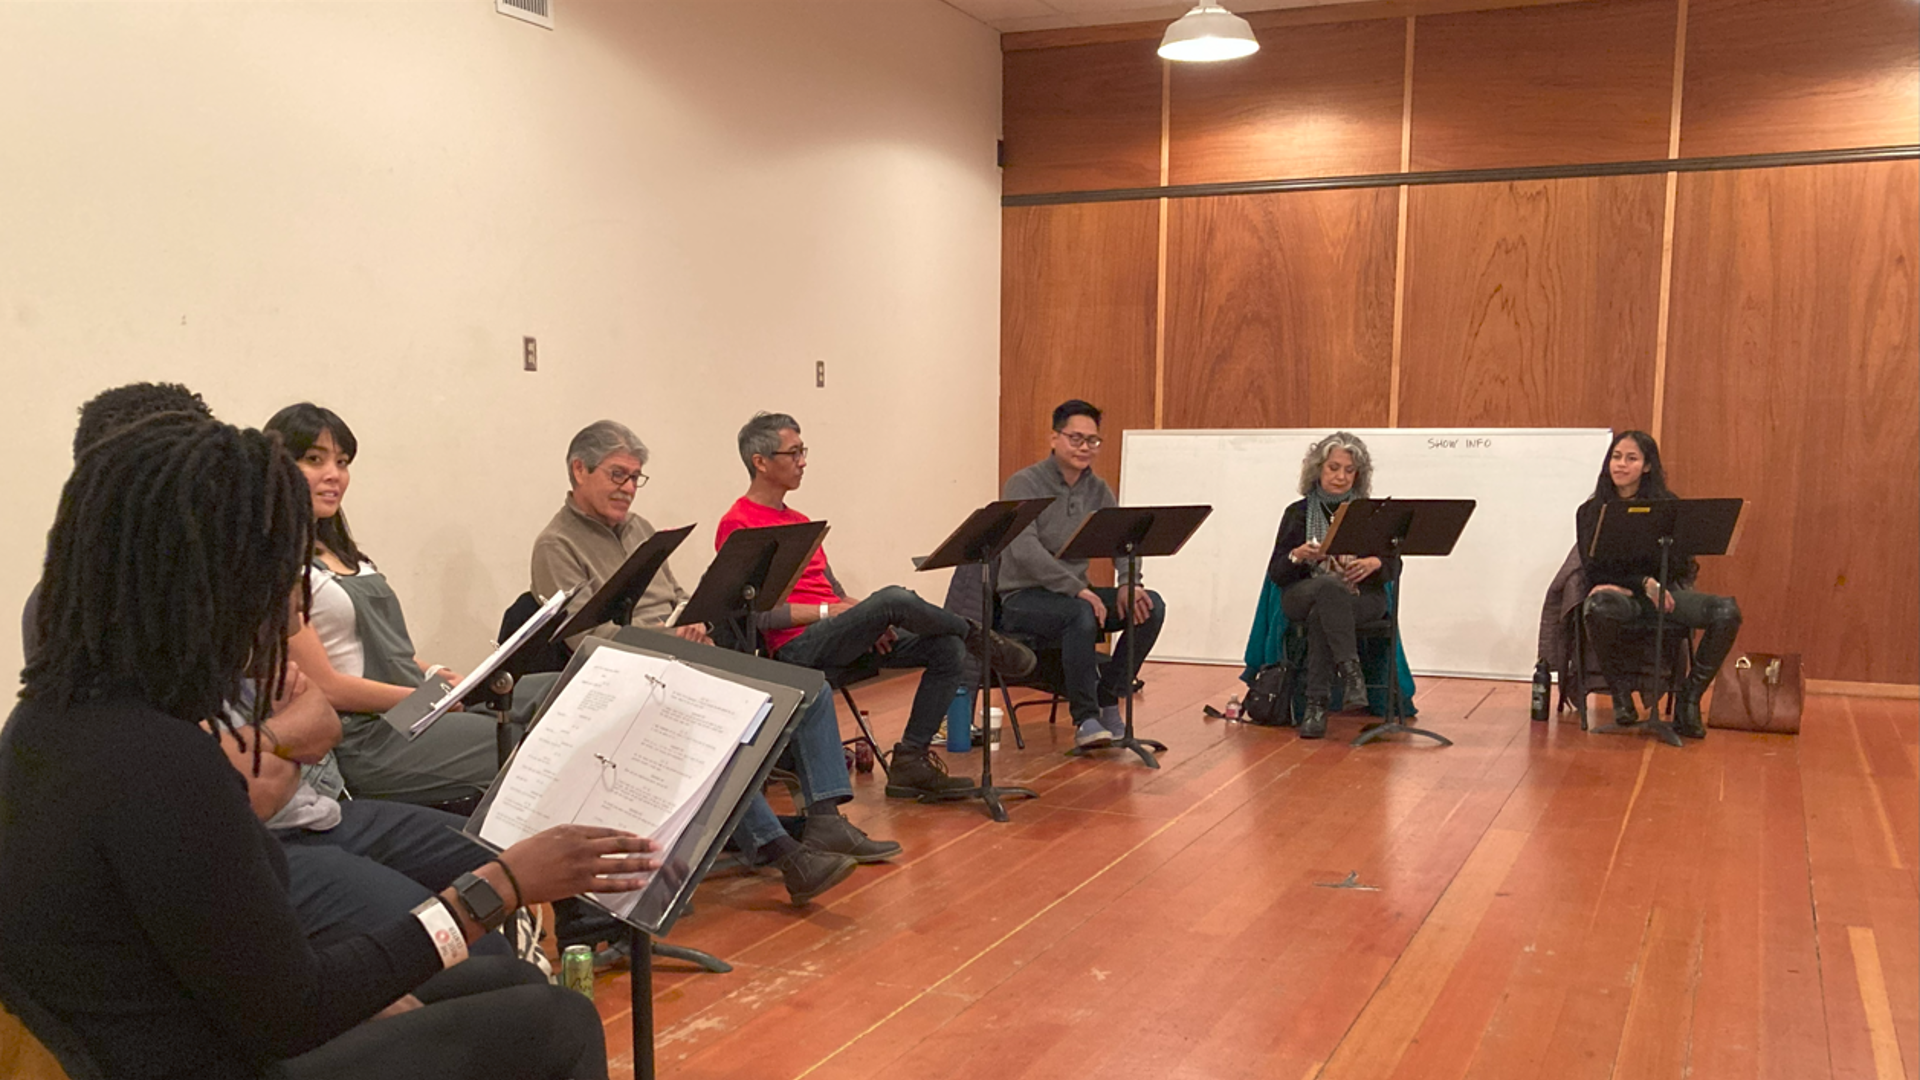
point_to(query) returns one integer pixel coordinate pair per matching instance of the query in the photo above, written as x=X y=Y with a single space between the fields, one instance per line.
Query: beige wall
x=367 y=205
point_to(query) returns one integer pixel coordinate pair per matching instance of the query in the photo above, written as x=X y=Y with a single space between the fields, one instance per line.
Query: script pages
x=631 y=742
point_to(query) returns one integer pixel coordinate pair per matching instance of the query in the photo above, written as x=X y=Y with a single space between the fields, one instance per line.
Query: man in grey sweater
x=1049 y=598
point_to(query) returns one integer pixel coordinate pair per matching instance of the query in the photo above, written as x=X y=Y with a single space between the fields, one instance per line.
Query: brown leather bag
x=1759 y=692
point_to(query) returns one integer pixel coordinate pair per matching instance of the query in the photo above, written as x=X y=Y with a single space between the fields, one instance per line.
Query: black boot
x=1624 y=714
x=916 y=773
x=1010 y=658
x=1353 y=685
x=1686 y=710
x=809 y=873
x=833 y=833
x=1314 y=724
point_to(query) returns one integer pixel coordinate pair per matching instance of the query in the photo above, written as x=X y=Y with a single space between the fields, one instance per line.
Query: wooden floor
x=1531 y=902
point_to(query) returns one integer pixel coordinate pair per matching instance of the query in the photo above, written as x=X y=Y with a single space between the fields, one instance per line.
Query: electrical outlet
x=819 y=373
x=530 y=353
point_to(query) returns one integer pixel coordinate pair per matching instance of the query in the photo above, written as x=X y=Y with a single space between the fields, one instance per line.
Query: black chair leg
x=1013 y=717
x=866 y=733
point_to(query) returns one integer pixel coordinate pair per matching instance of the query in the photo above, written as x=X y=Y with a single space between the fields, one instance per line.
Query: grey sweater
x=1029 y=562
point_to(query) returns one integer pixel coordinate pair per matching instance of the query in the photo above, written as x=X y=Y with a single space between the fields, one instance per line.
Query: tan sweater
x=576 y=548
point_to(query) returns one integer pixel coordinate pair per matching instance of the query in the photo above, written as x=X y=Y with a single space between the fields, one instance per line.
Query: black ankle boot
x=1686 y=711
x=1353 y=685
x=1624 y=714
x=1314 y=724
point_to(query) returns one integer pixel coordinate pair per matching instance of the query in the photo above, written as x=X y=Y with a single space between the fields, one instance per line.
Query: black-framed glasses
x=1076 y=440
x=797 y=453
x=620 y=476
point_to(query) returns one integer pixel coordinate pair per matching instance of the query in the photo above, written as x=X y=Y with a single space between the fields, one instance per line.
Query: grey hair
x=761 y=436
x=1319 y=452
x=600 y=440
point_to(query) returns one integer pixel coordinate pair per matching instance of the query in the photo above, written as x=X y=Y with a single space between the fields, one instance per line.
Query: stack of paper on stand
x=417 y=712
x=631 y=742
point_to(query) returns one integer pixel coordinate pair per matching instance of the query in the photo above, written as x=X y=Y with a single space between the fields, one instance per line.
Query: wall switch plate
x=530 y=353
x=819 y=373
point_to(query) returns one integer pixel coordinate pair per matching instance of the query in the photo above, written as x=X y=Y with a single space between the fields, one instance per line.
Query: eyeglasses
x=1091 y=442
x=620 y=476
x=798 y=453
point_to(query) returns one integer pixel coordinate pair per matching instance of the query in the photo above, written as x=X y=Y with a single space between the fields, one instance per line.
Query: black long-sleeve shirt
x=142 y=903
x=1293 y=532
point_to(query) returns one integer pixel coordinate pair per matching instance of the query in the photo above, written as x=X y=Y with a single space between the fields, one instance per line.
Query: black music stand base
x=1659 y=729
x=1395 y=727
x=1146 y=748
x=1653 y=725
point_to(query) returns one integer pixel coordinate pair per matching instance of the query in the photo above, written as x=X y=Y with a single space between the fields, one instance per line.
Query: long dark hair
x=178 y=544
x=300 y=426
x=1653 y=482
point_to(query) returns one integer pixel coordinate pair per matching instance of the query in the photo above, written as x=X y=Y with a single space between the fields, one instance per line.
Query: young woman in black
x=1621 y=595
x=142 y=904
x=1330 y=595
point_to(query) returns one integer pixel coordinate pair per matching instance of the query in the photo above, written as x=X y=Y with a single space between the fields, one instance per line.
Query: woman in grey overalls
x=356 y=647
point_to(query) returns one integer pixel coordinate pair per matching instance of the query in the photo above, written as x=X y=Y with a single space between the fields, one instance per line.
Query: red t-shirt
x=812 y=588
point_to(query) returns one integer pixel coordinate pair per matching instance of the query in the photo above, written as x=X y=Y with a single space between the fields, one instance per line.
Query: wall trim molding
x=1475 y=176
x=1837 y=688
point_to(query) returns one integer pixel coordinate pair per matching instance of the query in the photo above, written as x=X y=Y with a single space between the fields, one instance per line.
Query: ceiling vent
x=537 y=12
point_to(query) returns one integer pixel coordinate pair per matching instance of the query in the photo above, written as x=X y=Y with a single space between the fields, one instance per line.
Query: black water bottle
x=1542 y=690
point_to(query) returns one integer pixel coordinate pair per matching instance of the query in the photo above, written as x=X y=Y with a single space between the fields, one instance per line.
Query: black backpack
x=1269 y=699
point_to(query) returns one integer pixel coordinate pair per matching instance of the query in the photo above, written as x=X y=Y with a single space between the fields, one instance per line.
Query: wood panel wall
x=1077 y=304
x=1792 y=382
x=1761 y=321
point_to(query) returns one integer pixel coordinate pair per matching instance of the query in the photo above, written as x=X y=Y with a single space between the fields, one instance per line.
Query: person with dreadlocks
x=352 y=865
x=142 y=904
x=356 y=647
x=1330 y=595
x=104 y=412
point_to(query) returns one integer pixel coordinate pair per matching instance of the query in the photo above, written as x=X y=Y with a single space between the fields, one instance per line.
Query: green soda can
x=576 y=969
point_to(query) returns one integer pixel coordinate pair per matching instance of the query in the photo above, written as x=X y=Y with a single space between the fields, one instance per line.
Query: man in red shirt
x=821 y=627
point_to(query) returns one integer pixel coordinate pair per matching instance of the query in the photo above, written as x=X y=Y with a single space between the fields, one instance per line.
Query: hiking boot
x=1009 y=657
x=918 y=773
x=1353 y=685
x=835 y=834
x=1314 y=724
x=810 y=873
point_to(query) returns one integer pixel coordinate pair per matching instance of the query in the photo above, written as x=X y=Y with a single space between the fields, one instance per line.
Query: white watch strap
x=444 y=929
x=824 y=613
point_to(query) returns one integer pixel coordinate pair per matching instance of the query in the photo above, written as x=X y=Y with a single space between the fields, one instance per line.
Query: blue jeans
x=931 y=638
x=1053 y=617
x=818 y=761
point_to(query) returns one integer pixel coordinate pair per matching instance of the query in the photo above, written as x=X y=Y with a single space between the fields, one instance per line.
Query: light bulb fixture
x=1208 y=32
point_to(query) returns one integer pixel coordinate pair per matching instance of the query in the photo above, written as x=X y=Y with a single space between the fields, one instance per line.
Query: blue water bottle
x=960 y=721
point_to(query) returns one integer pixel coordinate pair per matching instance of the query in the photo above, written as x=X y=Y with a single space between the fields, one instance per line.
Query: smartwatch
x=481 y=901
x=825 y=612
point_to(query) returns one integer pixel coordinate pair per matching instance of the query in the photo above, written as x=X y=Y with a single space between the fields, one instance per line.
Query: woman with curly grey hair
x=1329 y=595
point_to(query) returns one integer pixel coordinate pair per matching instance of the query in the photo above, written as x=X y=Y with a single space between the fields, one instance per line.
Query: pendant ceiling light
x=1208 y=32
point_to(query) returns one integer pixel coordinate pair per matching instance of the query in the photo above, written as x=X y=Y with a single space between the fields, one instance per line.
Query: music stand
x=1382 y=529
x=613 y=601
x=978 y=542
x=754 y=570
x=687 y=864
x=1629 y=532
x=1133 y=533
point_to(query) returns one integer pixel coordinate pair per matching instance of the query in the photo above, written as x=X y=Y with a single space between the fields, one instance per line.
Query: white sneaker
x=1092 y=734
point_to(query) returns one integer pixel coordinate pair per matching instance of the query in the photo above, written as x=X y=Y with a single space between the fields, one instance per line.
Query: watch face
x=481 y=901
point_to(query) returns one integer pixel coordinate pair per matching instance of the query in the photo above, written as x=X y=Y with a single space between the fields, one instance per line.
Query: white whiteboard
x=1476 y=612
